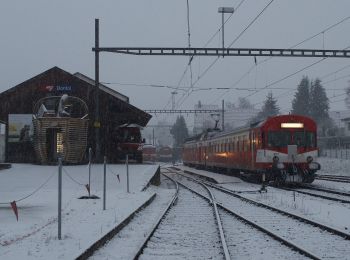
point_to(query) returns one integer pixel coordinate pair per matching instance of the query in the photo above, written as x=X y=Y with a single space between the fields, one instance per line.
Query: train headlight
x=314 y=166
x=309 y=159
x=280 y=166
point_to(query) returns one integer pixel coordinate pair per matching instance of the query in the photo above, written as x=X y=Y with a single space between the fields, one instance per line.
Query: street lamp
x=223 y=10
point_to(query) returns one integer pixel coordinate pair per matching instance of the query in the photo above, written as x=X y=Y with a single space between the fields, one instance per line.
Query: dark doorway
x=54 y=144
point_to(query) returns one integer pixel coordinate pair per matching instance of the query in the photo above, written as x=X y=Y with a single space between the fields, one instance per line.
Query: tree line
x=310 y=99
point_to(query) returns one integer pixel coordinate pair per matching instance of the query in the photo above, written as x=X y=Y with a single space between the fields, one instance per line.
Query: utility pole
x=97 y=123
x=173 y=99
x=223 y=115
x=224 y=10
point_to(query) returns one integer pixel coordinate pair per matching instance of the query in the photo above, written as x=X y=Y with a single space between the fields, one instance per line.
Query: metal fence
x=340 y=153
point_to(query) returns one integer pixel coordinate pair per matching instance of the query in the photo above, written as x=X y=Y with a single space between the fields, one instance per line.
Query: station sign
x=57 y=88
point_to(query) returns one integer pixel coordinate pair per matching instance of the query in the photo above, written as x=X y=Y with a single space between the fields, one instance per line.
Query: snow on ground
x=127 y=242
x=331 y=213
x=334 y=166
x=34 y=236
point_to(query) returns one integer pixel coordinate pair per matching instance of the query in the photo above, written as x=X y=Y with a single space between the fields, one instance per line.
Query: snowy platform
x=216 y=177
x=34 y=188
x=5 y=166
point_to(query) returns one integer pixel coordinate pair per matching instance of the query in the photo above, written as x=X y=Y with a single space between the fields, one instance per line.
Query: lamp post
x=223 y=10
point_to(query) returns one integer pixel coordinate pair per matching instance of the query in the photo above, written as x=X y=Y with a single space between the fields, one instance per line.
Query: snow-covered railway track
x=334 y=178
x=327 y=194
x=129 y=241
x=329 y=243
x=241 y=235
x=188 y=231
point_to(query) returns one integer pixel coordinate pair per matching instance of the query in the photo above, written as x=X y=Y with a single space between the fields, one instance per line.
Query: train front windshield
x=278 y=138
x=284 y=138
x=129 y=135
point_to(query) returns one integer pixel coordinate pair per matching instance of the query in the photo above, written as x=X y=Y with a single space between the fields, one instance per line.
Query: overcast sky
x=37 y=35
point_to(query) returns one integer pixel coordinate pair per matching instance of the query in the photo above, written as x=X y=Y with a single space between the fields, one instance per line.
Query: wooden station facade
x=17 y=109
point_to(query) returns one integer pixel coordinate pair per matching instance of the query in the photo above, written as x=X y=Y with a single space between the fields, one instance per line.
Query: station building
x=17 y=111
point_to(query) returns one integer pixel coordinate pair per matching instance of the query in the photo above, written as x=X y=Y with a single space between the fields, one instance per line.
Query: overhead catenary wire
x=192 y=57
x=288 y=76
x=230 y=45
x=291 y=47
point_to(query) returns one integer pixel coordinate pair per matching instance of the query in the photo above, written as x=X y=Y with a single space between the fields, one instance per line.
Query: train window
x=306 y=139
x=278 y=138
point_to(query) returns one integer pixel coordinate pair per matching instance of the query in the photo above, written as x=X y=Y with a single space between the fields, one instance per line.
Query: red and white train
x=281 y=148
x=149 y=153
x=165 y=154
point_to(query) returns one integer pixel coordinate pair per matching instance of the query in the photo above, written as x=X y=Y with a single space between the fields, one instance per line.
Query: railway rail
x=323 y=193
x=335 y=178
x=331 y=242
x=295 y=251
x=152 y=246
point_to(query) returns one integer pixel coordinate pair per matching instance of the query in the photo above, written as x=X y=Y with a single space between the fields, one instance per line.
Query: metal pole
x=223 y=42
x=104 y=181
x=223 y=117
x=90 y=158
x=97 y=83
x=59 y=197
x=153 y=135
x=127 y=173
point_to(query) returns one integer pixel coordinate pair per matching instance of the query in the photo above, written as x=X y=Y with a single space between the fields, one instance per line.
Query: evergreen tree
x=319 y=103
x=319 y=106
x=179 y=131
x=244 y=103
x=301 y=101
x=269 y=108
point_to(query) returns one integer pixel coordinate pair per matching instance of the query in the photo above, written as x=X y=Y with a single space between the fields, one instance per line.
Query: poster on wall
x=20 y=128
x=2 y=129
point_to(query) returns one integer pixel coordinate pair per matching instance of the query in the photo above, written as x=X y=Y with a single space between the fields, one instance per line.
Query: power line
x=236 y=39
x=335 y=72
x=295 y=45
x=288 y=76
x=192 y=57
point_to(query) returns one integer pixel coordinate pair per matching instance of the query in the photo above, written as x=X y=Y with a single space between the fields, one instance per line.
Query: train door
x=200 y=153
x=253 y=147
x=205 y=155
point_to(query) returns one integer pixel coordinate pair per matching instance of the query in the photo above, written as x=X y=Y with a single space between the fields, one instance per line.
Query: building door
x=54 y=144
